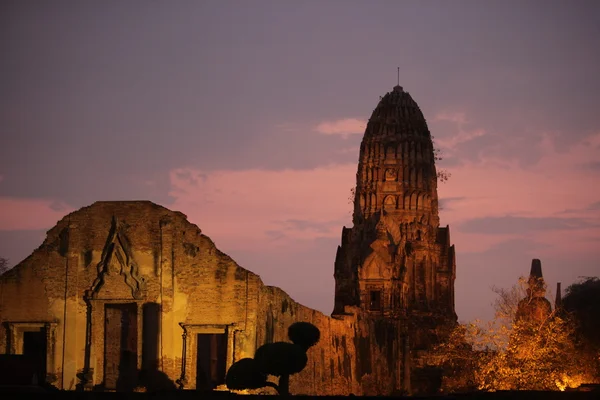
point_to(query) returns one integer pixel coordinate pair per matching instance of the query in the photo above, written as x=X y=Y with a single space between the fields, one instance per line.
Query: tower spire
x=396 y=220
x=537 y=286
x=398 y=77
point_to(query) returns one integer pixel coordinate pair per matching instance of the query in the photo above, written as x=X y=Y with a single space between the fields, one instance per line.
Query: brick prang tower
x=396 y=261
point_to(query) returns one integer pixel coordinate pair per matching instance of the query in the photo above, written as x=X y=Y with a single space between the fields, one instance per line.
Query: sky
x=248 y=116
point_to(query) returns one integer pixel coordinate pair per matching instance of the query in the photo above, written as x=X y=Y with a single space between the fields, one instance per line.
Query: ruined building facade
x=125 y=294
x=128 y=293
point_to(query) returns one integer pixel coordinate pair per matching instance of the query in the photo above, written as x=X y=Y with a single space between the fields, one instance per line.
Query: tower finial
x=398 y=76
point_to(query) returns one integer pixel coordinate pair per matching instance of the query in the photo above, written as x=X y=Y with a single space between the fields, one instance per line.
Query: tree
x=538 y=356
x=3 y=265
x=280 y=359
x=582 y=302
x=511 y=353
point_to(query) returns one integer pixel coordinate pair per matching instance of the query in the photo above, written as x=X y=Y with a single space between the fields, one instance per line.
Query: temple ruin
x=128 y=294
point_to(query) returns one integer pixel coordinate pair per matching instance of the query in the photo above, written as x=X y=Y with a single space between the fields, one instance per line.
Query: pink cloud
x=343 y=127
x=250 y=208
x=266 y=217
x=464 y=134
x=499 y=188
x=30 y=214
x=244 y=209
x=451 y=116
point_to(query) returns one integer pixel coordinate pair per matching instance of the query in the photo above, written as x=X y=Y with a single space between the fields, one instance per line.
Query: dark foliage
x=304 y=334
x=582 y=302
x=280 y=359
x=245 y=374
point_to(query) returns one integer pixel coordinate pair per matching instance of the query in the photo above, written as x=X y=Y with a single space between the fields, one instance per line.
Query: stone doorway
x=35 y=350
x=211 y=360
x=36 y=341
x=120 y=346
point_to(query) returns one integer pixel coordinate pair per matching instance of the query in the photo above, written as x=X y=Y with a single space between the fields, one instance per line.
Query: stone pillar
x=70 y=328
x=182 y=381
x=168 y=325
x=230 y=346
x=50 y=352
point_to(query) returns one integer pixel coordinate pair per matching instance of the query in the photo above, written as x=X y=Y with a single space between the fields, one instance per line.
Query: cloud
x=554 y=187
x=502 y=188
x=444 y=202
x=320 y=228
x=466 y=137
x=250 y=208
x=523 y=225
x=463 y=131
x=594 y=206
x=457 y=117
x=30 y=214
x=343 y=127
x=267 y=218
x=354 y=150
x=283 y=225
x=593 y=165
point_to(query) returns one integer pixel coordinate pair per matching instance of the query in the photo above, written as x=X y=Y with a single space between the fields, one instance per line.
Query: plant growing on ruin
x=3 y=265
x=352 y=195
x=280 y=359
x=442 y=174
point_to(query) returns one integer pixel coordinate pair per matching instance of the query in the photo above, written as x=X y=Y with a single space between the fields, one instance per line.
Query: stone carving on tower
x=396 y=261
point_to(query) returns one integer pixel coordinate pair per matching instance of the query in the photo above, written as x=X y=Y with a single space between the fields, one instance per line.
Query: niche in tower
x=389 y=203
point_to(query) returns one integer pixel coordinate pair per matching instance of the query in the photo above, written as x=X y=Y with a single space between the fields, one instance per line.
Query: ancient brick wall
x=355 y=355
x=158 y=284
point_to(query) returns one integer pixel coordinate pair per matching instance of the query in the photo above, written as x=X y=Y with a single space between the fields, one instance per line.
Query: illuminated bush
x=511 y=353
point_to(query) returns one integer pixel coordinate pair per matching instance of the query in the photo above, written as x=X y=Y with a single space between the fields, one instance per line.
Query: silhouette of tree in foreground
x=582 y=302
x=280 y=359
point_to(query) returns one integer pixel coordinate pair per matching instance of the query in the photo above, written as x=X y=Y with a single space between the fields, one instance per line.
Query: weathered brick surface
x=394 y=273
x=396 y=263
x=141 y=254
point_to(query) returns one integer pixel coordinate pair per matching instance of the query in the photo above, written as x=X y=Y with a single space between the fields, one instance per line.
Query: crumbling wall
x=138 y=253
x=355 y=355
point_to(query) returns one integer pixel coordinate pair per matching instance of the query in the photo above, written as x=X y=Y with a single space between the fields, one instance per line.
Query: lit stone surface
x=120 y=278
x=128 y=286
x=396 y=263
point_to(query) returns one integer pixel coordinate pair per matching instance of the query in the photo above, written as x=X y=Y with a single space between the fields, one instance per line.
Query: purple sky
x=247 y=117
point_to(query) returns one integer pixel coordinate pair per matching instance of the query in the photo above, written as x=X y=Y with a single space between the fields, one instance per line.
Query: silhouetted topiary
x=245 y=374
x=304 y=334
x=280 y=359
